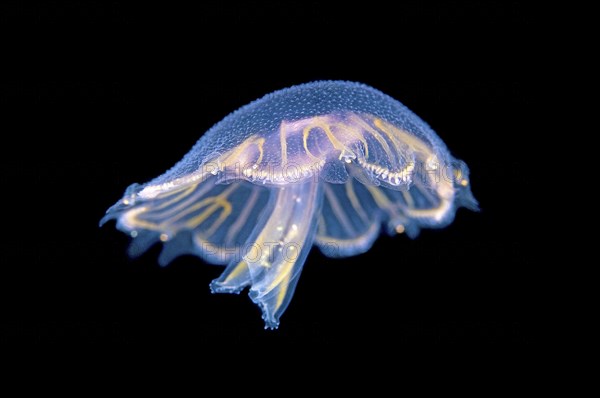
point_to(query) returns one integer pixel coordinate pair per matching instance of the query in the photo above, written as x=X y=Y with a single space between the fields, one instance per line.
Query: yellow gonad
x=324 y=163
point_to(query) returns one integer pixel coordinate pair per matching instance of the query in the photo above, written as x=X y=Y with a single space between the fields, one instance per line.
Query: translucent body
x=324 y=162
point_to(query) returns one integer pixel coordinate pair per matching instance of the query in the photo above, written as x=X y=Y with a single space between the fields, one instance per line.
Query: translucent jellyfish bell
x=327 y=163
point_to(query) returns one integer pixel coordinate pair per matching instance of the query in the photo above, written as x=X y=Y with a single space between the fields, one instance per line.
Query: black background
x=102 y=95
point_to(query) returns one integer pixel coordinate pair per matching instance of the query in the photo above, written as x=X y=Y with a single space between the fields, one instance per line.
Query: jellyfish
x=329 y=163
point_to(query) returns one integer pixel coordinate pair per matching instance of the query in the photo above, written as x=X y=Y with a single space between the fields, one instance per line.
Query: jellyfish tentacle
x=276 y=249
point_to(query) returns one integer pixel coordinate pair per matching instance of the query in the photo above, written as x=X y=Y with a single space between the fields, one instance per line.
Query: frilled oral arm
x=276 y=249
